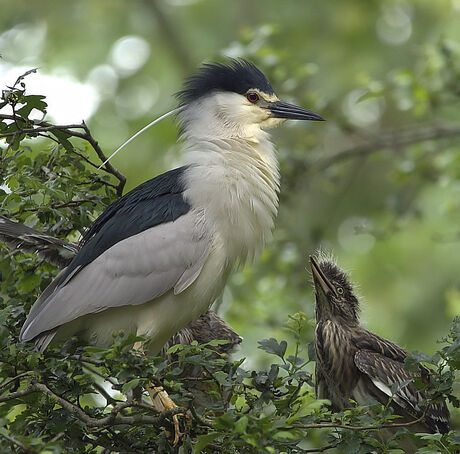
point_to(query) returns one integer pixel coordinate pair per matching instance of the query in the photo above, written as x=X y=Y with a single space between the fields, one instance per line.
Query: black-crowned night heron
x=158 y=257
x=207 y=327
x=353 y=363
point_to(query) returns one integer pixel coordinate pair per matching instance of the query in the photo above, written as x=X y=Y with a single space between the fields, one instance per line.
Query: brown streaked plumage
x=353 y=363
x=60 y=253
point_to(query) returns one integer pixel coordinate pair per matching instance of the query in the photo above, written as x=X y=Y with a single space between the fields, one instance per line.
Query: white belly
x=158 y=319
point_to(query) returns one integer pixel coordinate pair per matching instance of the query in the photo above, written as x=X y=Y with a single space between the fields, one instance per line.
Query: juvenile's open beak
x=322 y=283
x=281 y=109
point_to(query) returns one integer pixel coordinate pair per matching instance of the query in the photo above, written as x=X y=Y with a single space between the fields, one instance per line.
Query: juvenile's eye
x=340 y=290
x=252 y=97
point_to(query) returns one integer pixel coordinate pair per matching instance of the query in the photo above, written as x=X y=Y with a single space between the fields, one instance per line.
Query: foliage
x=378 y=184
x=87 y=399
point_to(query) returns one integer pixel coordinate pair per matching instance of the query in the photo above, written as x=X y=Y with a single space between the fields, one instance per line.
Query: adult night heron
x=159 y=256
x=207 y=327
x=353 y=363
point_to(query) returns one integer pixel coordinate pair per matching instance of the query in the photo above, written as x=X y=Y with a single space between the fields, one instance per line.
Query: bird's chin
x=272 y=122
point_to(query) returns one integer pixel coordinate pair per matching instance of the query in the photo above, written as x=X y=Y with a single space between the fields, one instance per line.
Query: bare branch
x=323 y=449
x=12 y=380
x=392 y=140
x=358 y=428
x=113 y=418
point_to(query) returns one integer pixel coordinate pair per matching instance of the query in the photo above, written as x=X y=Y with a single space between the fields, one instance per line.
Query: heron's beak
x=322 y=283
x=281 y=109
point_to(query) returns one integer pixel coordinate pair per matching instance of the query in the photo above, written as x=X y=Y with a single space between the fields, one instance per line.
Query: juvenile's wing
x=142 y=246
x=384 y=373
x=52 y=250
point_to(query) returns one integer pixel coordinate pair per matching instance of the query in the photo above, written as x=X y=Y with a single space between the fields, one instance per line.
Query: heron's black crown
x=237 y=76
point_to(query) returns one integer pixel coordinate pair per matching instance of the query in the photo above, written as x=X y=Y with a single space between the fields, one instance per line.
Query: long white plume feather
x=167 y=114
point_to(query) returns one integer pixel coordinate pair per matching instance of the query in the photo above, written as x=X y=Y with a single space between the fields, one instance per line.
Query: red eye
x=252 y=97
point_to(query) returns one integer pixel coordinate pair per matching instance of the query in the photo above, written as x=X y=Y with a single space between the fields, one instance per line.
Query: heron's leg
x=161 y=400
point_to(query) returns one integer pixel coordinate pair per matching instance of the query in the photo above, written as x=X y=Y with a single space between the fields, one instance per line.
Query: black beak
x=290 y=111
x=321 y=281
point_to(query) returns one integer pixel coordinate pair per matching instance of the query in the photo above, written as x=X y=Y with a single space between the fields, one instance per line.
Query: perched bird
x=159 y=256
x=353 y=363
x=206 y=328
x=60 y=253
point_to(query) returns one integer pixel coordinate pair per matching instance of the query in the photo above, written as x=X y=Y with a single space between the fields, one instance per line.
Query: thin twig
x=44 y=126
x=358 y=428
x=19 y=444
x=324 y=448
x=12 y=380
x=114 y=418
x=392 y=140
x=99 y=374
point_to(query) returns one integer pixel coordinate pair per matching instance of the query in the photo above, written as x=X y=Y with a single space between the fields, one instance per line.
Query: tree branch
x=12 y=380
x=358 y=428
x=43 y=126
x=111 y=419
x=392 y=140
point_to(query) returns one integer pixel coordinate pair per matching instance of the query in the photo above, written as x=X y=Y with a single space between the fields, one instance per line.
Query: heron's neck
x=235 y=181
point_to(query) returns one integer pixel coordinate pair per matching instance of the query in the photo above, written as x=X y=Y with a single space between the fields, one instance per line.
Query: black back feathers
x=237 y=76
x=154 y=202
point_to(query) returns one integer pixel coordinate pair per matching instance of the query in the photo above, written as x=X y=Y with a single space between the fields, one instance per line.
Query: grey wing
x=384 y=373
x=134 y=271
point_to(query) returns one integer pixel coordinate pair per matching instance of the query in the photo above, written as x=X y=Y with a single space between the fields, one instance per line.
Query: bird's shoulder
x=156 y=201
x=149 y=200
x=366 y=340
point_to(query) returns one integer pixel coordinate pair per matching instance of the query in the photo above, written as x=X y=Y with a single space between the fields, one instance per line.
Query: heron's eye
x=252 y=97
x=340 y=290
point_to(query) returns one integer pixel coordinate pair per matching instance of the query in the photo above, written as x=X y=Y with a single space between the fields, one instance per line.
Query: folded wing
x=390 y=380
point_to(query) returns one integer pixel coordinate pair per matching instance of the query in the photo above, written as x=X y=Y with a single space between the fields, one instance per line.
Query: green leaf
x=29 y=283
x=273 y=347
x=221 y=377
x=130 y=385
x=241 y=425
x=240 y=402
x=32 y=102
x=63 y=139
x=204 y=440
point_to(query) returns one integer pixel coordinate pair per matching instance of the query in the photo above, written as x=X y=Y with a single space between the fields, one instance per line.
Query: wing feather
x=384 y=373
x=133 y=271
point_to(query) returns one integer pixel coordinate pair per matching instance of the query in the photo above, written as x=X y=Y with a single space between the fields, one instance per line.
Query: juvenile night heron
x=158 y=257
x=353 y=363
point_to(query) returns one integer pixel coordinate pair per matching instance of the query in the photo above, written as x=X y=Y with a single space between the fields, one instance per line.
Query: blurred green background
x=378 y=184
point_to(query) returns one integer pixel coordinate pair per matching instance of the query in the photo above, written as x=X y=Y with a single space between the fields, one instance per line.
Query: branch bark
x=114 y=418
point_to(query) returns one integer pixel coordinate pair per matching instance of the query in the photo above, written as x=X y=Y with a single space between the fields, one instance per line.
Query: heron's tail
x=19 y=236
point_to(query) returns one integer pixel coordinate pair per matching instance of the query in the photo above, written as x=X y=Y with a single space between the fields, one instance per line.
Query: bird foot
x=162 y=402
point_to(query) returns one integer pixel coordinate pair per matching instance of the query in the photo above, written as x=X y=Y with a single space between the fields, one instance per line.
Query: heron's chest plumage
x=335 y=352
x=236 y=183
